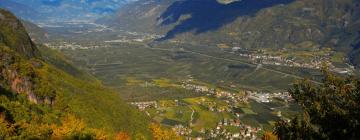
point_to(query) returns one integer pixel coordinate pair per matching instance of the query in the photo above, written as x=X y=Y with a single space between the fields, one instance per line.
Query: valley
x=179 y=69
x=179 y=86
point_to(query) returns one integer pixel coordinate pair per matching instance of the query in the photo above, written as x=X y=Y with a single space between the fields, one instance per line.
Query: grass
x=248 y=111
x=166 y=68
x=254 y=113
x=338 y=57
x=86 y=98
x=164 y=83
x=98 y=105
x=207 y=119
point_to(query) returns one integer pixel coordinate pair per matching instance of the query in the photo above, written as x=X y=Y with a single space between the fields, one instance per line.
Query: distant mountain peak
x=63 y=10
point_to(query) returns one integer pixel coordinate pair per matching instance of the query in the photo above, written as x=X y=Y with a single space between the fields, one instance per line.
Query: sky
x=63 y=9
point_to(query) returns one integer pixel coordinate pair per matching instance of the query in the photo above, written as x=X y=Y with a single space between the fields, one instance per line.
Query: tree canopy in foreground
x=331 y=110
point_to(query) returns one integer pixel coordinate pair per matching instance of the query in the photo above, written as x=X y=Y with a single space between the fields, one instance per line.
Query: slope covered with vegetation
x=14 y=35
x=331 y=110
x=44 y=96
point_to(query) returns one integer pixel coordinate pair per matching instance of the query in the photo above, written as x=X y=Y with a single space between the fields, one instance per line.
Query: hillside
x=41 y=91
x=289 y=23
x=13 y=35
x=37 y=34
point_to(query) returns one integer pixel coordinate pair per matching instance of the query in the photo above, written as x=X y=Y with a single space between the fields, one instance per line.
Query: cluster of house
x=182 y=130
x=234 y=97
x=73 y=46
x=144 y=105
x=134 y=37
x=212 y=106
x=220 y=131
x=267 y=97
x=315 y=63
x=245 y=131
x=198 y=88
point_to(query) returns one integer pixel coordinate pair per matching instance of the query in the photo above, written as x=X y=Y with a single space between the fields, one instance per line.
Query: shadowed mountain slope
x=255 y=24
x=208 y=15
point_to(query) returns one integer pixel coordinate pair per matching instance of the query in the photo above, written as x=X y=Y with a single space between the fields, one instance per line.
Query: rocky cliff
x=19 y=76
x=14 y=35
x=18 y=55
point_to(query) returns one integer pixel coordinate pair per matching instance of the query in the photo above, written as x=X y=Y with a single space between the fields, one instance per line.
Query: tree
x=74 y=128
x=269 y=136
x=331 y=110
x=122 y=136
x=6 y=129
x=160 y=134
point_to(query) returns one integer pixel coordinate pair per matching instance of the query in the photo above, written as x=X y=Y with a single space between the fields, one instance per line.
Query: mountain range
x=62 y=10
x=255 y=24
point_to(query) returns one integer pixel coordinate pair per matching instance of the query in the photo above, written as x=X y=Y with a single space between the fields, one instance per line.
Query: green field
x=171 y=113
x=248 y=111
x=127 y=66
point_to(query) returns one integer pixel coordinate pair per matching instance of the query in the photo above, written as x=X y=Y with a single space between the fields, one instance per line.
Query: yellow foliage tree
x=75 y=128
x=6 y=129
x=122 y=136
x=269 y=136
x=161 y=134
x=70 y=125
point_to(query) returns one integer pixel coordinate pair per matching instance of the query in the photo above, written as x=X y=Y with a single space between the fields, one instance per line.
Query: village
x=232 y=97
x=74 y=46
x=134 y=37
x=220 y=132
x=317 y=62
x=230 y=102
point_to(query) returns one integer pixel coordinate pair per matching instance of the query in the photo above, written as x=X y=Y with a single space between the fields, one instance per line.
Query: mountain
x=256 y=24
x=63 y=10
x=355 y=54
x=43 y=96
x=13 y=35
x=37 y=34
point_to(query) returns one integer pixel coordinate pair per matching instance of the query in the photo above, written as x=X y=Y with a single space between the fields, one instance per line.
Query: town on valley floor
x=218 y=113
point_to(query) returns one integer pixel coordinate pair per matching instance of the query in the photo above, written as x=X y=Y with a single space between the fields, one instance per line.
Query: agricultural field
x=196 y=114
x=145 y=73
x=158 y=70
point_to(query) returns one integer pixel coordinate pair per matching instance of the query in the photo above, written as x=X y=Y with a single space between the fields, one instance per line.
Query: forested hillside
x=43 y=96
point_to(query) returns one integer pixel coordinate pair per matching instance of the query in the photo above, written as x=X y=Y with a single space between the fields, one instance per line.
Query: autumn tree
x=161 y=134
x=269 y=136
x=331 y=110
x=7 y=129
x=74 y=128
x=122 y=136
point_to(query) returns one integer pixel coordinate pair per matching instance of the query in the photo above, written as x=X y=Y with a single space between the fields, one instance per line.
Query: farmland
x=146 y=66
x=197 y=115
